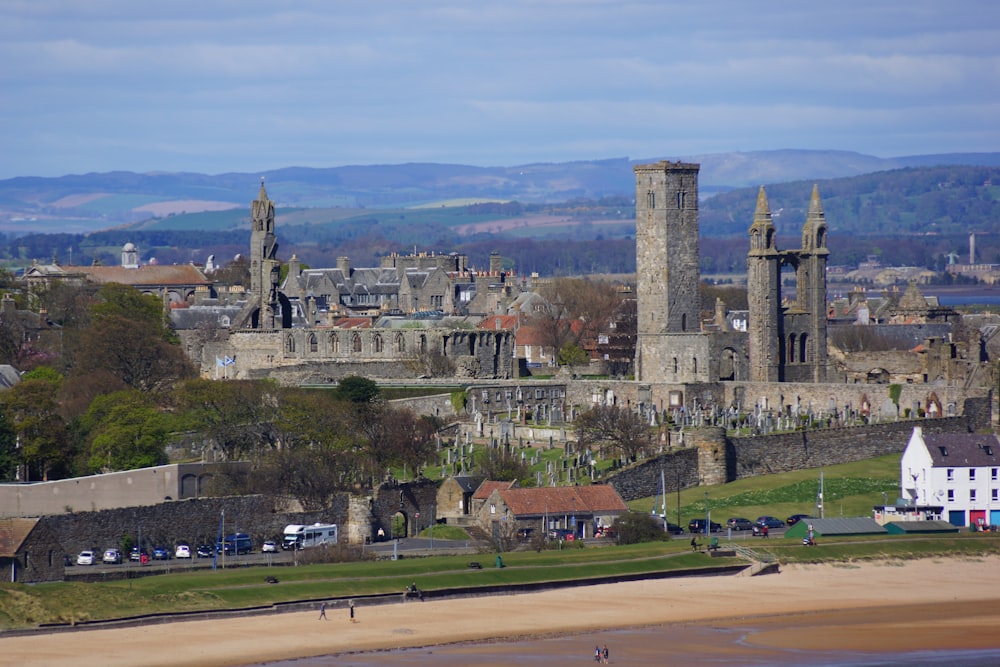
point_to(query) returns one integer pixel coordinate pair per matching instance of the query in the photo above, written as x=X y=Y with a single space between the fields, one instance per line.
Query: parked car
x=269 y=546
x=562 y=534
x=205 y=551
x=182 y=551
x=112 y=557
x=673 y=528
x=739 y=523
x=135 y=554
x=795 y=518
x=161 y=553
x=85 y=558
x=698 y=526
x=769 y=521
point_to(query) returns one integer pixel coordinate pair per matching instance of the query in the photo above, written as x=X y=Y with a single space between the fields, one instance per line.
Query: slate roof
x=837 y=526
x=592 y=499
x=963 y=450
x=899 y=527
x=466 y=483
x=13 y=533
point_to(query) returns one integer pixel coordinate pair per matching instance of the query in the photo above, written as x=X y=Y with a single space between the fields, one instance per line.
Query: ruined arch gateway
x=784 y=341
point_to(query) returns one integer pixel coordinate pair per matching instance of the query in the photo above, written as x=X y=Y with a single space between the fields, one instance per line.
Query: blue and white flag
x=229 y=361
x=219 y=362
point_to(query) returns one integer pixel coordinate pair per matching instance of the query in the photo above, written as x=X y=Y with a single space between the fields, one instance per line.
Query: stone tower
x=764 y=296
x=263 y=298
x=787 y=342
x=667 y=271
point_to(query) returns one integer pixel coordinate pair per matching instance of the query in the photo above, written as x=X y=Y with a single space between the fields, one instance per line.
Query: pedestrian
x=322 y=612
x=764 y=531
x=605 y=654
x=597 y=653
x=351 y=604
x=381 y=535
x=694 y=544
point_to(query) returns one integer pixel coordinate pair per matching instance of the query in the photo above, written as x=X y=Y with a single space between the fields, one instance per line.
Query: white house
x=958 y=471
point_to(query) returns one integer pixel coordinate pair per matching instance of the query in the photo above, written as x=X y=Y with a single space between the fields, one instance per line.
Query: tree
x=127 y=337
x=125 y=431
x=623 y=429
x=237 y=415
x=398 y=438
x=503 y=465
x=636 y=527
x=357 y=389
x=30 y=409
x=576 y=310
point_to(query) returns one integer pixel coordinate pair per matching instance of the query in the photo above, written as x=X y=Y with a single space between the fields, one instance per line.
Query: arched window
x=334 y=343
x=803 y=357
x=376 y=343
x=313 y=344
x=790 y=352
x=290 y=344
x=356 y=343
x=400 y=343
x=694 y=364
x=423 y=344
x=684 y=322
x=675 y=364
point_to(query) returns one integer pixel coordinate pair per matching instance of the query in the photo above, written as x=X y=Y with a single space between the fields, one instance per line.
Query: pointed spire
x=762 y=230
x=763 y=209
x=816 y=206
x=814 y=229
x=262 y=195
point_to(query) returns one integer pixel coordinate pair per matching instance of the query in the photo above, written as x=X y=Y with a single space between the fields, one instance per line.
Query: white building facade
x=958 y=471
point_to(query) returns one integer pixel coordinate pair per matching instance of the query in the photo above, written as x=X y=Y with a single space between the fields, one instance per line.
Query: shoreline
x=886 y=606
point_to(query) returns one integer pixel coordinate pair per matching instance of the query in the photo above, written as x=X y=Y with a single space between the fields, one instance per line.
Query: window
x=951 y=495
x=993 y=474
x=400 y=343
x=356 y=343
x=493 y=508
x=650 y=199
x=313 y=344
x=951 y=474
x=334 y=344
x=376 y=343
x=290 y=344
x=972 y=495
x=995 y=494
x=972 y=474
x=680 y=198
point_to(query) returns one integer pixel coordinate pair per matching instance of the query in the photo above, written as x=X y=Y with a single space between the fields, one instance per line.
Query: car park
x=698 y=526
x=739 y=523
x=795 y=518
x=269 y=546
x=135 y=554
x=182 y=551
x=161 y=553
x=85 y=558
x=112 y=557
x=769 y=521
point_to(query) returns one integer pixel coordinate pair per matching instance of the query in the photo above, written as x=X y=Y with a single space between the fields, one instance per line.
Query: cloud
x=234 y=86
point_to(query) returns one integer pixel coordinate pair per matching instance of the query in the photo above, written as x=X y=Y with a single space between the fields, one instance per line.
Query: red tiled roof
x=495 y=322
x=353 y=323
x=489 y=486
x=149 y=274
x=563 y=500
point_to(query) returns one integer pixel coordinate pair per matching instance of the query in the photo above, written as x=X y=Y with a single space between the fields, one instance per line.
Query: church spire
x=762 y=233
x=262 y=195
x=814 y=229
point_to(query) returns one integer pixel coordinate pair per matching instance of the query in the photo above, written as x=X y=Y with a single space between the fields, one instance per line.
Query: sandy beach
x=932 y=604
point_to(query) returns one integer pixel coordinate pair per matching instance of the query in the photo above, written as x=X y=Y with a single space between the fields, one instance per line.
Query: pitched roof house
x=580 y=509
x=958 y=471
x=30 y=552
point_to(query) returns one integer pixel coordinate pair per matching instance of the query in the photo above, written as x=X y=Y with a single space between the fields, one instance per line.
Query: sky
x=219 y=86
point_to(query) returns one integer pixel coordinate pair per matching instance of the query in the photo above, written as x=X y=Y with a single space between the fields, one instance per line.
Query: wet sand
x=884 y=607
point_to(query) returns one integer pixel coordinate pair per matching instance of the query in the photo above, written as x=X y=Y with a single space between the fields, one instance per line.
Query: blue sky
x=225 y=85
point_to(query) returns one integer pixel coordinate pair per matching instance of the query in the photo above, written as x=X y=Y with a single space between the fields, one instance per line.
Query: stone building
x=281 y=335
x=30 y=552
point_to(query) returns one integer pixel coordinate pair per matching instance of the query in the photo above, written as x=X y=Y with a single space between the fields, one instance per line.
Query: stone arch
x=932 y=406
x=399 y=525
x=290 y=344
x=790 y=348
x=335 y=343
x=728 y=364
x=400 y=343
x=356 y=343
x=803 y=340
x=423 y=343
x=377 y=343
x=877 y=376
x=313 y=343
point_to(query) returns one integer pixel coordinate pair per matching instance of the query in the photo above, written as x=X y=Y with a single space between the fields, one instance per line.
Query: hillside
x=90 y=202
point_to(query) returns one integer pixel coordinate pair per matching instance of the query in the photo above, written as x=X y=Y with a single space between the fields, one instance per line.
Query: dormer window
x=944 y=451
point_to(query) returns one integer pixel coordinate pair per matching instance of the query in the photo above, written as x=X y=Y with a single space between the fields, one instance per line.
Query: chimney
x=496 y=264
x=344 y=264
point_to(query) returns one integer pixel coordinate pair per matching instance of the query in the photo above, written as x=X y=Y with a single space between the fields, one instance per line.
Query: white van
x=297 y=536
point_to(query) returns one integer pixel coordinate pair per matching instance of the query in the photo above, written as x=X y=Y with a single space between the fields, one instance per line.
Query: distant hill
x=89 y=202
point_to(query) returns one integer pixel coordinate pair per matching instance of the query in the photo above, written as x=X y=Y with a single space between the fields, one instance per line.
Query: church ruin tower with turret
x=262 y=309
x=787 y=338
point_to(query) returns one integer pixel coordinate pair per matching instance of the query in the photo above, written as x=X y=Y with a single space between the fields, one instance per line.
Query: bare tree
x=609 y=424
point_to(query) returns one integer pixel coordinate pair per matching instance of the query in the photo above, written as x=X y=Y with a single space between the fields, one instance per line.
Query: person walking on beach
x=764 y=531
x=351 y=604
x=604 y=654
x=597 y=653
x=322 y=612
